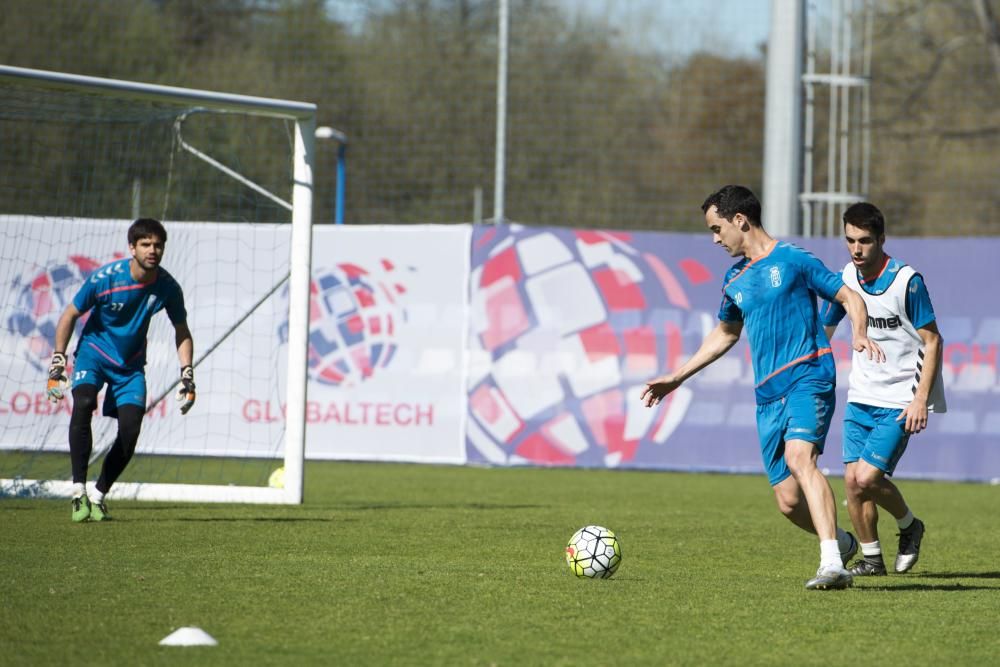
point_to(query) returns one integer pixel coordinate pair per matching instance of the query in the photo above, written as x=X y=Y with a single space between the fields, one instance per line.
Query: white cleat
x=830 y=578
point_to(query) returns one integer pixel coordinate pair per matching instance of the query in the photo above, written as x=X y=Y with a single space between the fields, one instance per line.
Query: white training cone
x=188 y=637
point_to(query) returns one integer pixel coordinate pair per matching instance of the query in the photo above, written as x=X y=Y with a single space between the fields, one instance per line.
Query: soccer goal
x=230 y=176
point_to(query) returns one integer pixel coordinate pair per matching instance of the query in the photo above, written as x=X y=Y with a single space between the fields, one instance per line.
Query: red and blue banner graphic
x=567 y=326
x=354 y=314
x=39 y=300
x=498 y=345
x=572 y=323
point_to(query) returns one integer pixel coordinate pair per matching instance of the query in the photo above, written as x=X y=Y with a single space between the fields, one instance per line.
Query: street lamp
x=327 y=132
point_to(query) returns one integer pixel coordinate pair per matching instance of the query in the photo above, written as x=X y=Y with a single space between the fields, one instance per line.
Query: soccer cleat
x=846 y=556
x=829 y=578
x=99 y=512
x=909 y=546
x=81 y=508
x=869 y=566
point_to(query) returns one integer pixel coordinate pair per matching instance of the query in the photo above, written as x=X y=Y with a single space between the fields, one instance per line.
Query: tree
x=936 y=125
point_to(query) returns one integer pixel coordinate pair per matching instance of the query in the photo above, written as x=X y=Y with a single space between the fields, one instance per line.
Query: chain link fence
x=621 y=114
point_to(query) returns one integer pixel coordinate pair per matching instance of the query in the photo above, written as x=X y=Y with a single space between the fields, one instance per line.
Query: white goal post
x=303 y=117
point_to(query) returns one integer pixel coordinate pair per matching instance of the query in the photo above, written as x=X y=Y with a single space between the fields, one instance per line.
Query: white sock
x=829 y=554
x=844 y=540
x=79 y=490
x=905 y=522
x=96 y=496
x=871 y=548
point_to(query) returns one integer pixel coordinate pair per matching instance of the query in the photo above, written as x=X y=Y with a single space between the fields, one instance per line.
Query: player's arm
x=719 y=341
x=857 y=311
x=185 y=344
x=57 y=383
x=185 y=354
x=830 y=315
x=65 y=326
x=916 y=412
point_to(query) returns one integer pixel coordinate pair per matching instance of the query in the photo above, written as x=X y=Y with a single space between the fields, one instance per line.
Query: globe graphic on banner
x=40 y=300
x=354 y=316
x=567 y=326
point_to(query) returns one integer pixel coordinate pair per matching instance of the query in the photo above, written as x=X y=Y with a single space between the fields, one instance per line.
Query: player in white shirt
x=887 y=402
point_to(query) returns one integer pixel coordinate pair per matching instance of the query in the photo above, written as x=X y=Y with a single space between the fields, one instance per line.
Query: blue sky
x=728 y=27
x=672 y=27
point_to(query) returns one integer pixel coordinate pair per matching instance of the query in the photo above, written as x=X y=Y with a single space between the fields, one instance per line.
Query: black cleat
x=869 y=566
x=909 y=546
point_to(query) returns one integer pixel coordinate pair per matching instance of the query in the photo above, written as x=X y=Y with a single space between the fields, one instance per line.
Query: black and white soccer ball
x=594 y=552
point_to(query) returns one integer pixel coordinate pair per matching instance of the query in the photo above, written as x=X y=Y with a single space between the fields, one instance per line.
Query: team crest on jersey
x=775 y=277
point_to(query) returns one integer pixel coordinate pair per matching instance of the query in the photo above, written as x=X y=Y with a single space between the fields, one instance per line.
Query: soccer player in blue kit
x=772 y=293
x=886 y=403
x=122 y=298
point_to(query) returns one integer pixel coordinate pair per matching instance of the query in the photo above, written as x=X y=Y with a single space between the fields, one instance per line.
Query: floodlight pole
x=327 y=132
x=783 y=118
x=498 y=186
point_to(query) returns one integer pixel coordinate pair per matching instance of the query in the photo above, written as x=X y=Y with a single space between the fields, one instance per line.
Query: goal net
x=231 y=178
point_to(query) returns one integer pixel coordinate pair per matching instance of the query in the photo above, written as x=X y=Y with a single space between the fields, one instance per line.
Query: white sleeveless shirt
x=892 y=383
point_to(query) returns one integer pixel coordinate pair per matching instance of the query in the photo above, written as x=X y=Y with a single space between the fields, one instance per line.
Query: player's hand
x=915 y=414
x=58 y=382
x=866 y=344
x=185 y=393
x=658 y=388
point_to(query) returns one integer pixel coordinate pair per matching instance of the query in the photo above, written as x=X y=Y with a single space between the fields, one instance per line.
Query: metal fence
x=620 y=114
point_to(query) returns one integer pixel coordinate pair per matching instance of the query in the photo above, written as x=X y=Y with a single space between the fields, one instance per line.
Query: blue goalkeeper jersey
x=774 y=296
x=121 y=310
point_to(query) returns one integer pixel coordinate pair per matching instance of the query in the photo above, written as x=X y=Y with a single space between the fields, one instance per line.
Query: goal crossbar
x=259 y=106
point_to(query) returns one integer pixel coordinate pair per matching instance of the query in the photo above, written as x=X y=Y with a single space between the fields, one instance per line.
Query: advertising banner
x=387 y=343
x=387 y=330
x=232 y=276
x=567 y=326
x=498 y=345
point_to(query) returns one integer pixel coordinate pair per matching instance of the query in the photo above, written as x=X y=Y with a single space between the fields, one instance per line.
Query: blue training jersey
x=774 y=296
x=122 y=309
x=919 y=310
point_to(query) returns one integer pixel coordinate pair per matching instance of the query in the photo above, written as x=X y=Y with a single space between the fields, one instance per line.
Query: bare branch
x=991 y=31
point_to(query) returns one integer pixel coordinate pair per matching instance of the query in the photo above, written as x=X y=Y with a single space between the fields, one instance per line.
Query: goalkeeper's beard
x=146 y=267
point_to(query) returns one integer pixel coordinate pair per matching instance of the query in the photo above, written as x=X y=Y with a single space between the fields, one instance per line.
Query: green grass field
x=427 y=565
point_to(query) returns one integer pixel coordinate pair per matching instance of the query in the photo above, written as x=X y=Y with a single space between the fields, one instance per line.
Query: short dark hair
x=866 y=216
x=143 y=228
x=732 y=199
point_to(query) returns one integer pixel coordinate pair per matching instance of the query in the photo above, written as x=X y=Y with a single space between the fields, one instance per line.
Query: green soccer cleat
x=81 y=509
x=99 y=512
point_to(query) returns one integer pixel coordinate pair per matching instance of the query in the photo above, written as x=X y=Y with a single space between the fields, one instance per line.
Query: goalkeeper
x=122 y=298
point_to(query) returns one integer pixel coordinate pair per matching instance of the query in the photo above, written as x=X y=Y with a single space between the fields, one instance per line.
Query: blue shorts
x=875 y=435
x=804 y=414
x=126 y=386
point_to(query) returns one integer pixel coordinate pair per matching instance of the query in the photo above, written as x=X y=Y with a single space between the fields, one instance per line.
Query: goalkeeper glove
x=58 y=382
x=185 y=393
